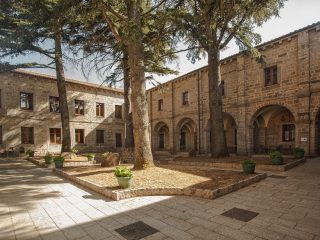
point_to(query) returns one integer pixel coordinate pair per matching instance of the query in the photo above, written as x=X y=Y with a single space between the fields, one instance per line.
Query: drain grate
x=277 y=176
x=136 y=231
x=240 y=214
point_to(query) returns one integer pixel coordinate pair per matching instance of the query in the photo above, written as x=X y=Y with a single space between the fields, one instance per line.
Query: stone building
x=30 y=118
x=266 y=106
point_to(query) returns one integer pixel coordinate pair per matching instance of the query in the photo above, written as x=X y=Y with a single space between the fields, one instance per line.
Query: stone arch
x=230 y=128
x=186 y=135
x=161 y=136
x=272 y=127
x=264 y=107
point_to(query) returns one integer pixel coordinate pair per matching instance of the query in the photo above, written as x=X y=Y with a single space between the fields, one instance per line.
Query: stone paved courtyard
x=36 y=204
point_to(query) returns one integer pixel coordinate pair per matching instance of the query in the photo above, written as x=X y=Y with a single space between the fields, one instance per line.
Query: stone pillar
x=242 y=127
x=303 y=119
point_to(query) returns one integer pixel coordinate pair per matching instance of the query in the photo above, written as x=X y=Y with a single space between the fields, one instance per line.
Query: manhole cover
x=277 y=176
x=136 y=231
x=240 y=214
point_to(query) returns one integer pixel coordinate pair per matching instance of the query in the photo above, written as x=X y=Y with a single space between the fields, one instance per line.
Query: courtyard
x=36 y=204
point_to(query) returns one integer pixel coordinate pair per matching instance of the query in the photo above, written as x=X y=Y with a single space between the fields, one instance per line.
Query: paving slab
x=36 y=204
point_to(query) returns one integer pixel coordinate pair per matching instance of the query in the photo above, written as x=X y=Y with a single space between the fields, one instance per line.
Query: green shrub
x=48 y=158
x=30 y=153
x=58 y=161
x=299 y=152
x=248 y=166
x=123 y=172
x=90 y=156
x=276 y=157
x=75 y=150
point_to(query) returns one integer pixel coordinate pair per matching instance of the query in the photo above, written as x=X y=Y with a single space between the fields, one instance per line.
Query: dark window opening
x=161 y=140
x=79 y=107
x=99 y=109
x=100 y=136
x=55 y=135
x=118 y=111
x=270 y=76
x=26 y=101
x=183 y=141
x=160 y=104
x=288 y=132
x=185 y=98
x=54 y=104
x=27 y=135
x=118 y=140
x=79 y=135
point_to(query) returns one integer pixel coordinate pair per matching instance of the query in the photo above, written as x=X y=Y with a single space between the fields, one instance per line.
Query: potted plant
x=48 y=158
x=30 y=153
x=91 y=156
x=299 y=152
x=276 y=157
x=58 y=161
x=248 y=166
x=124 y=177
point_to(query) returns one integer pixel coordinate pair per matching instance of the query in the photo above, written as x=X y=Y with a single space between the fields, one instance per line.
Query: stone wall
x=297 y=57
x=12 y=118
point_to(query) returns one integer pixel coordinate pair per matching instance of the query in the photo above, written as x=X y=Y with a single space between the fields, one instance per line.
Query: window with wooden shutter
x=27 y=135
x=79 y=135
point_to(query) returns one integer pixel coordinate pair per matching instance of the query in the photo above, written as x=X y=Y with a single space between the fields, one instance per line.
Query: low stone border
x=238 y=166
x=41 y=163
x=129 y=193
x=37 y=162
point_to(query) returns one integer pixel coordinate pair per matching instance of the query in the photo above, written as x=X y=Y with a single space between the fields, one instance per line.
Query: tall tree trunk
x=128 y=142
x=63 y=101
x=218 y=145
x=140 y=117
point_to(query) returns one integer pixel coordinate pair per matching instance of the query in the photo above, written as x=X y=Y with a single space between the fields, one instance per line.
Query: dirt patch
x=161 y=177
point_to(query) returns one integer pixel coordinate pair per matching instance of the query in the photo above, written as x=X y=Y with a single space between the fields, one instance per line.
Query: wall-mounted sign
x=304 y=139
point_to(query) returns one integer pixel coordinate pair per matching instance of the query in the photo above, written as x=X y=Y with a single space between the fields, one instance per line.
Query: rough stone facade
x=258 y=118
x=12 y=117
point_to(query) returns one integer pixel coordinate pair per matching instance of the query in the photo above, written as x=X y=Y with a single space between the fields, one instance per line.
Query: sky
x=294 y=15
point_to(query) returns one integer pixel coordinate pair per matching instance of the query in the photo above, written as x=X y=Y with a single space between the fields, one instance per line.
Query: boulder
x=111 y=160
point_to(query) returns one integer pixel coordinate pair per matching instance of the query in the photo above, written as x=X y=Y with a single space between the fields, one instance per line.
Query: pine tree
x=38 y=26
x=209 y=26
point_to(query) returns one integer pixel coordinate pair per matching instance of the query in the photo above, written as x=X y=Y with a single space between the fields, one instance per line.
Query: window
x=54 y=104
x=185 y=98
x=99 y=109
x=118 y=111
x=221 y=88
x=288 y=132
x=270 y=76
x=100 y=136
x=27 y=135
x=79 y=135
x=79 y=107
x=118 y=140
x=26 y=101
x=160 y=104
x=0 y=98
x=1 y=141
x=55 y=135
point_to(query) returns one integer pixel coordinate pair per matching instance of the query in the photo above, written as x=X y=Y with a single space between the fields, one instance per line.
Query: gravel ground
x=160 y=177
